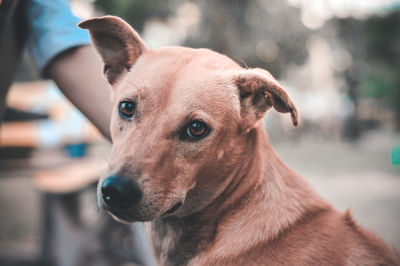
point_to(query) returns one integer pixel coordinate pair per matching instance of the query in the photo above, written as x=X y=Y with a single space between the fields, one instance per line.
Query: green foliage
x=382 y=39
x=380 y=81
x=382 y=56
x=396 y=155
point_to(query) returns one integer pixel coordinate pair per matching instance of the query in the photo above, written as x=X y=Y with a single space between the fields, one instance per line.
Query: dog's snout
x=120 y=193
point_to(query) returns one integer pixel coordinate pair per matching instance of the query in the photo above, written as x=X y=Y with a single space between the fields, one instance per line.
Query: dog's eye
x=195 y=130
x=127 y=109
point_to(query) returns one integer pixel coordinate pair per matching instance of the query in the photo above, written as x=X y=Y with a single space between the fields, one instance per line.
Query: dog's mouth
x=174 y=208
x=121 y=217
x=124 y=217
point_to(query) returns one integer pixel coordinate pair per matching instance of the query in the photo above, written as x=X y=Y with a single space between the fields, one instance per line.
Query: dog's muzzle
x=120 y=193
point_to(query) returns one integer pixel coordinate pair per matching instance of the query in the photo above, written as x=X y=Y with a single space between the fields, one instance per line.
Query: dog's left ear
x=258 y=92
x=118 y=44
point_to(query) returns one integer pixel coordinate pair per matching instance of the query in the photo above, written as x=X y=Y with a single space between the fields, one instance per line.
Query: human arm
x=77 y=72
x=62 y=52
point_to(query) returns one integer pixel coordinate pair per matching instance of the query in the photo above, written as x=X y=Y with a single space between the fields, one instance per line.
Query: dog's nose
x=119 y=192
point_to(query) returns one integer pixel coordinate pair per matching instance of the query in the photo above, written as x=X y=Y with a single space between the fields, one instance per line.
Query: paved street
x=356 y=176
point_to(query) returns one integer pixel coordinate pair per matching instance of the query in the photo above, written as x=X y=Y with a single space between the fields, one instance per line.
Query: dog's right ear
x=118 y=44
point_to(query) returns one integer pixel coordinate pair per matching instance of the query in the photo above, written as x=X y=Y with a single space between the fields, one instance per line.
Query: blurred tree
x=270 y=34
x=267 y=34
x=135 y=12
x=350 y=33
x=382 y=44
x=374 y=44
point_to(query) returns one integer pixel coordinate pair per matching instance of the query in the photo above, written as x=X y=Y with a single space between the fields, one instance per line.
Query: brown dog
x=190 y=154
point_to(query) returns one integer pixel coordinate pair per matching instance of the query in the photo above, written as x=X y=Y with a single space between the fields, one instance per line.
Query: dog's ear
x=118 y=44
x=259 y=91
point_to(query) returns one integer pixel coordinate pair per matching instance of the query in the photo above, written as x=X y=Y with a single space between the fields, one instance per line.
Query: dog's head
x=180 y=122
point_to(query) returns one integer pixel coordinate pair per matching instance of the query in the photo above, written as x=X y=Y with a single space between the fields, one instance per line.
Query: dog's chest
x=176 y=243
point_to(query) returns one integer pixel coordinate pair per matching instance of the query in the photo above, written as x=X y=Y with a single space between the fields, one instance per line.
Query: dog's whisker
x=134 y=85
x=242 y=61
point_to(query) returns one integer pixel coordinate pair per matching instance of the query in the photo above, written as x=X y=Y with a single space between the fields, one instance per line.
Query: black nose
x=119 y=192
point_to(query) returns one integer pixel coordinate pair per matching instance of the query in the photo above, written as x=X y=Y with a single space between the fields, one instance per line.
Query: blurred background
x=338 y=59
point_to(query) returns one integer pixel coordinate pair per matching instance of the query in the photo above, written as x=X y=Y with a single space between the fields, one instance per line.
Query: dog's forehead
x=181 y=77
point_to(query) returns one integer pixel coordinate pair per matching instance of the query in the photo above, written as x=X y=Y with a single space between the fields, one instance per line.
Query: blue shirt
x=53 y=29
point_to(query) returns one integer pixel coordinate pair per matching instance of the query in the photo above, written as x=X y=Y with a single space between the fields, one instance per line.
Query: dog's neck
x=278 y=198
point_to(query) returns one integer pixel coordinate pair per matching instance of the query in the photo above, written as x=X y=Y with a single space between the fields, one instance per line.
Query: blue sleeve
x=53 y=29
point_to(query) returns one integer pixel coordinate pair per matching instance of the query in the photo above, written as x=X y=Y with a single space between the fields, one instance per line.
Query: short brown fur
x=241 y=204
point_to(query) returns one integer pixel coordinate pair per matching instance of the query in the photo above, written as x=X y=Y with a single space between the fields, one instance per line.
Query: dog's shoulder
x=365 y=247
x=305 y=242
x=322 y=237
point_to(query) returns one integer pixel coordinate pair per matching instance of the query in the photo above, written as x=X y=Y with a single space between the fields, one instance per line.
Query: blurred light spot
x=188 y=13
x=83 y=9
x=267 y=50
x=315 y=13
x=174 y=29
x=320 y=60
x=159 y=33
x=312 y=20
x=294 y=2
x=342 y=59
